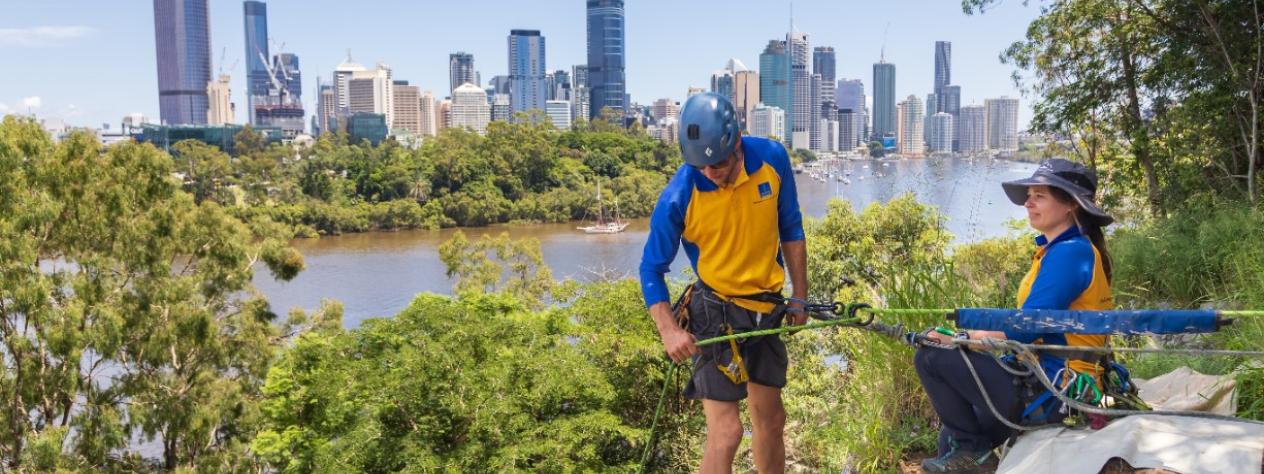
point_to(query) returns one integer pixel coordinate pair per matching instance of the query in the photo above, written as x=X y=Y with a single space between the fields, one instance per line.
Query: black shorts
x=765 y=356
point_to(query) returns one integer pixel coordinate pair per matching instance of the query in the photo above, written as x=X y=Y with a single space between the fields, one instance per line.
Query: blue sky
x=92 y=61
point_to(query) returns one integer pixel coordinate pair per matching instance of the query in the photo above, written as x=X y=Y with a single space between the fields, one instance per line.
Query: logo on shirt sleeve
x=765 y=190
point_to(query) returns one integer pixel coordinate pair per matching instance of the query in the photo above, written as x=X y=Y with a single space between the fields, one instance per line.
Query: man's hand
x=679 y=345
x=798 y=317
x=677 y=342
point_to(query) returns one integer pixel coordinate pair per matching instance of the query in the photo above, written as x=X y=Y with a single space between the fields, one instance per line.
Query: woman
x=1070 y=270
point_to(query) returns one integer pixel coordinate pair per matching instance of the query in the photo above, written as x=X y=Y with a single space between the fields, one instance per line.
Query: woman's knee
x=924 y=360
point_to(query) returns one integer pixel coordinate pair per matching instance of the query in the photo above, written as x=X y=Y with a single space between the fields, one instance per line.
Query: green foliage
x=1163 y=96
x=876 y=150
x=433 y=389
x=803 y=155
x=125 y=308
x=1199 y=258
x=479 y=266
x=523 y=171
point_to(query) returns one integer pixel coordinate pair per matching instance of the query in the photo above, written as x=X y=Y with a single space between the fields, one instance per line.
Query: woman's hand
x=939 y=337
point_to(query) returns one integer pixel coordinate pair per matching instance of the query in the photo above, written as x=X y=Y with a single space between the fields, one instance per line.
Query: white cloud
x=42 y=35
x=4 y=108
x=32 y=102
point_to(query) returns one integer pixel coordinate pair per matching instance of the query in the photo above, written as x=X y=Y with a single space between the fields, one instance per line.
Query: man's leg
x=768 y=416
x=724 y=434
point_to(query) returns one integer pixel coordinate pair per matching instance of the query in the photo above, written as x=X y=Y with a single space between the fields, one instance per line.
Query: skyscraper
x=470 y=109
x=501 y=84
x=932 y=104
x=580 y=105
x=884 y=99
x=182 y=36
x=372 y=92
x=342 y=78
x=911 y=137
x=768 y=121
x=943 y=71
x=605 y=79
x=973 y=129
x=460 y=70
x=941 y=125
x=325 y=118
x=407 y=105
x=443 y=114
x=427 y=111
x=579 y=75
x=799 y=117
x=847 y=136
x=561 y=85
x=774 y=76
x=665 y=108
x=950 y=102
x=502 y=110
x=815 y=131
x=526 y=71
x=219 y=96
x=823 y=62
x=745 y=95
x=724 y=81
x=559 y=112
x=1002 y=124
x=850 y=95
x=257 y=81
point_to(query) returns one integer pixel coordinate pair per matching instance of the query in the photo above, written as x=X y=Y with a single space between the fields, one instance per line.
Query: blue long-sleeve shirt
x=731 y=234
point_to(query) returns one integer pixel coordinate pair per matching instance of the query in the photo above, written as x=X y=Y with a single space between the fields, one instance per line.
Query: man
x=734 y=207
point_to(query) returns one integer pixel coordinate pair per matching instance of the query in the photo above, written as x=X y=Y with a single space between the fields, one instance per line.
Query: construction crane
x=276 y=84
x=222 y=56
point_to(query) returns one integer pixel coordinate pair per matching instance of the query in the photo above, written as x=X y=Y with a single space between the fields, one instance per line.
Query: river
x=377 y=274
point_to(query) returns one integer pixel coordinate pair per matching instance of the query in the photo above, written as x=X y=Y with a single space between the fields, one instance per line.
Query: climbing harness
x=735 y=370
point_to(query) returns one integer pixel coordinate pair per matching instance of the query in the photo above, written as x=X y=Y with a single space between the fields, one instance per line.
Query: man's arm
x=796 y=257
x=666 y=225
x=678 y=343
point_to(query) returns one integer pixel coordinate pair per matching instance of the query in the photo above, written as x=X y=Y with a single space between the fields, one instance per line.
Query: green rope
x=906 y=311
x=1242 y=313
x=671 y=372
x=667 y=382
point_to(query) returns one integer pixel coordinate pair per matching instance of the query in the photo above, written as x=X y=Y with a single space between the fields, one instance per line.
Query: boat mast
x=601 y=208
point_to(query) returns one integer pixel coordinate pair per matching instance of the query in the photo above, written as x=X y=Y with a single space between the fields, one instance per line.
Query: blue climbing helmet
x=708 y=129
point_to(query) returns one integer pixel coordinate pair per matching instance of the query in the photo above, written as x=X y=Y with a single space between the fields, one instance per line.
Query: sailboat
x=603 y=224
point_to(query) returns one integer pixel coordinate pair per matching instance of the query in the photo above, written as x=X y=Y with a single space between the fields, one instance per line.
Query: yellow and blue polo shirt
x=1066 y=273
x=732 y=235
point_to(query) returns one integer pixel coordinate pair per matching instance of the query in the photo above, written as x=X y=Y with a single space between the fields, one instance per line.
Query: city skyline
x=302 y=28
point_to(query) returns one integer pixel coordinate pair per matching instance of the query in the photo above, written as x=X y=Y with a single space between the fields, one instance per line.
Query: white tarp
x=1181 y=444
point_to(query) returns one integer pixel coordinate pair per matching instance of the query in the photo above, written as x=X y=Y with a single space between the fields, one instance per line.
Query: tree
x=478 y=266
x=876 y=149
x=125 y=309
x=205 y=169
x=1163 y=91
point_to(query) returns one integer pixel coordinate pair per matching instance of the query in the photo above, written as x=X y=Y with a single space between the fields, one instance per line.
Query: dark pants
x=764 y=356
x=952 y=390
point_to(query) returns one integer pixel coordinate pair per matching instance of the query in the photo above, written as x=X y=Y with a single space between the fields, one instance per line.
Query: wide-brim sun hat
x=1074 y=178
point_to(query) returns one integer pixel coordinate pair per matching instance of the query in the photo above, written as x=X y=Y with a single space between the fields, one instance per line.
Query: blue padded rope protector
x=1146 y=321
